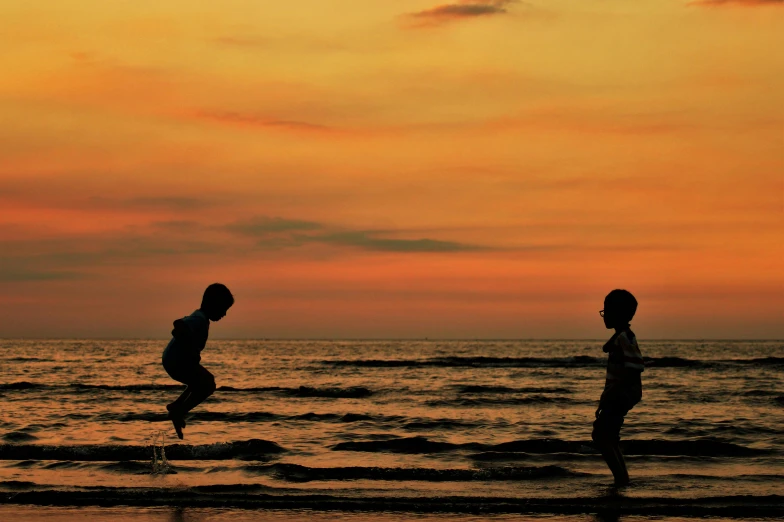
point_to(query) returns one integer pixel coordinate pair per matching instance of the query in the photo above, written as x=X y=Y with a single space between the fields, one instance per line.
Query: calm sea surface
x=401 y=426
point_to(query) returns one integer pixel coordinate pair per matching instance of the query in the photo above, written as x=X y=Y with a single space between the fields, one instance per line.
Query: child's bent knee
x=205 y=386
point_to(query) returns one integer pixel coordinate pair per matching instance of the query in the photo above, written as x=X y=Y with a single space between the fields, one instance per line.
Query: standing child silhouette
x=182 y=356
x=623 y=385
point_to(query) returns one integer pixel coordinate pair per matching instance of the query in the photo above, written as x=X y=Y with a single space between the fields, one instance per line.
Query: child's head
x=619 y=308
x=216 y=301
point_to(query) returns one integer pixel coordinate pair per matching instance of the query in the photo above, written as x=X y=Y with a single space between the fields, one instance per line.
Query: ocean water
x=456 y=429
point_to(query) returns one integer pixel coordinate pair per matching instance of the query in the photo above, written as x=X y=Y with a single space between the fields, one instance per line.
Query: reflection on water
x=362 y=419
x=126 y=514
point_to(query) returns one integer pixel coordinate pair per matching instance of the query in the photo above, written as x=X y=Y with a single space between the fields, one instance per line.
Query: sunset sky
x=392 y=168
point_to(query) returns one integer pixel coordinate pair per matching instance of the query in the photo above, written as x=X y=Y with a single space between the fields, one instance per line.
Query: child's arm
x=182 y=332
x=606 y=398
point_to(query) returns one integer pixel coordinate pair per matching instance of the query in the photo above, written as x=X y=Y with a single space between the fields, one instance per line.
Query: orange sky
x=401 y=168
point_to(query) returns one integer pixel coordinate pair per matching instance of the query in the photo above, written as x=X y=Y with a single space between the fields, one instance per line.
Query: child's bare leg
x=605 y=435
x=176 y=413
x=622 y=477
x=612 y=455
x=200 y=385
x=198 y=391
x=609 y=457
x=176 y=406
x=197 y=396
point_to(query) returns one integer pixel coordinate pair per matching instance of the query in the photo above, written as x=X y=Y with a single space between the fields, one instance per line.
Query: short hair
x=217 y=295
x=622 y=303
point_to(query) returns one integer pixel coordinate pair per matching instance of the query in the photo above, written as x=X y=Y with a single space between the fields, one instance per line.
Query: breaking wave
x=352 y=392
x=253 y=449
x=297 y=473
x=706 y=447
x=578 y=361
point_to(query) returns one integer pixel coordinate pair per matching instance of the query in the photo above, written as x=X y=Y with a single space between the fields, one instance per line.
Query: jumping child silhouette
x=623 y=386
x=182 y=356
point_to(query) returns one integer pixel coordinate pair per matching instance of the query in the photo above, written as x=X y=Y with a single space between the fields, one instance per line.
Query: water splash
x=160 y=465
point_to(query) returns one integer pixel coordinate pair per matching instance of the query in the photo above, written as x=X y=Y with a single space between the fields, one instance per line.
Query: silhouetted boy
x=182 y=356
x=623 y=387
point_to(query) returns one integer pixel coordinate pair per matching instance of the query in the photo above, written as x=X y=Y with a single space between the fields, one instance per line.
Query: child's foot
x=177 y=421
x=178 y=425
x=174 y=414
x=622 y=482
x=178 y=429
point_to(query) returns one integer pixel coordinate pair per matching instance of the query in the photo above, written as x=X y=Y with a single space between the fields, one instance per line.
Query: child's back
x=189 y=338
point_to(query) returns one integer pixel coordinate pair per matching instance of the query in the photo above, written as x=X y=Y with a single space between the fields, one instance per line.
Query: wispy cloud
x=368 y=240
x=464 y=9
x=748 y=3
x=27 y=275
x=263 y=225
x=243 y=41
x=259 y=121
x=175 y=203
x=87 y=196
x=278 y=43
x=279 y=232
x=28 y=258
x=81 y=256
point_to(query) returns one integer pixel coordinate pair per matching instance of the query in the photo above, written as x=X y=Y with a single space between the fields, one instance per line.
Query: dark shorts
x=607 y=427
x=187 y=371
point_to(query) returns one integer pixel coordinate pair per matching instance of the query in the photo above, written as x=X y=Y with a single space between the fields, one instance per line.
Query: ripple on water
x=18 y=436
